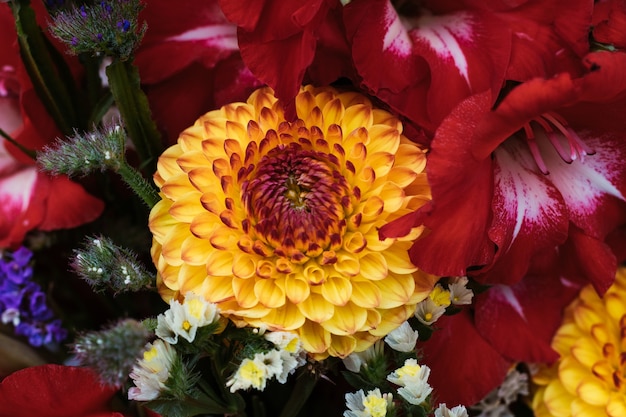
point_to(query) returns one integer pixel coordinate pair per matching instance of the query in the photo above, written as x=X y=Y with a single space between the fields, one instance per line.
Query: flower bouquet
x=358 y=208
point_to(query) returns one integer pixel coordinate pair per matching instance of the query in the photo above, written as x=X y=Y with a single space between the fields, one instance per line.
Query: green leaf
x=305 y=382
x=41 y=66
x=184 y=409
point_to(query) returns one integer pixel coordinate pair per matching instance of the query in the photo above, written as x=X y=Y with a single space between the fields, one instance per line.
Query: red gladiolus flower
x=189 y=61
x=279 y=41
x=609 y=23
x=545 y=169
x=472 y=352
x=55 y=391
x=30 y=199
x=423 y=58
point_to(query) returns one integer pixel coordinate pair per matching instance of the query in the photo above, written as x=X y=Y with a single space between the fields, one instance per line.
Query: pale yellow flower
x=589 y=379
x=277 y=222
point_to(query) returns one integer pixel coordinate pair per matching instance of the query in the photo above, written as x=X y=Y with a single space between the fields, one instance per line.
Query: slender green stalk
x=135 y=111
x=138 y=184
x=29 y=152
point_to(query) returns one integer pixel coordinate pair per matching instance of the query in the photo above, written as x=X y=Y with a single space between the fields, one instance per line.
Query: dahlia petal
x=556 y=397
x=398 y=262
x=219 y=263
x=373 y=266
x=342 y=346
x=617 y=405
x=346 y=320
x=286 y=318
x=296 y=289
x=586 y=351
x=184 y=209
x=244 y=292
x=173 y=242
x=194 y=251
x=217 y=289
x=316 y=308
x=269 y=293
x=366 y=294
x=392 y=320
x=337 y=290
x=177 y=184
x=204 y=225
x=314 y=338
x=572 y=374
x=396 y=290
x=194 y=278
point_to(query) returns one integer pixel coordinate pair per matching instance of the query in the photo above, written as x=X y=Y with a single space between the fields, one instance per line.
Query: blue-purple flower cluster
x=23 y=303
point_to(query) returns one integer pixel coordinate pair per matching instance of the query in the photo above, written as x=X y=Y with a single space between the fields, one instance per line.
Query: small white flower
x=11 y=315
x=371 y=405
x=413 y=381
x=152 y=371
x=354 y=361
x=428 y=312
x=496 y=403
x=184 y=319
x=444 y=411
x=254 y=373
x=402 y=339
x=285 y=341
x=459 y=293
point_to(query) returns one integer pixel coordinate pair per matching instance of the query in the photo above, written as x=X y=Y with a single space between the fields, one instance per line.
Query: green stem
x=135 y=111
x=29 y=152
x=138 y=184
x=40 y=66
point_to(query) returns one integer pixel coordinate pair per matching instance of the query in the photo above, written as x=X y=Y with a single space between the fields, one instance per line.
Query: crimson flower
x=202 y=69
x=283 y=42
x=545 y=169
x=422 y=58
x=30 y=199
x=609 y=23
x=55 y=391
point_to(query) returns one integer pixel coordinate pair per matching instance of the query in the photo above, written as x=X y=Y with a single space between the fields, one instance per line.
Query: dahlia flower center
x=555 y=129
x=294 y=201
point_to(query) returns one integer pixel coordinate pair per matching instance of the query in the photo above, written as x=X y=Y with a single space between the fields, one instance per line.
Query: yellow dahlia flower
x=590 y=377
x=277 y=222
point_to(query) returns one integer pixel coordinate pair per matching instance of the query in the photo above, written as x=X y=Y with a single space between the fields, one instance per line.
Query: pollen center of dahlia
x=295 y=200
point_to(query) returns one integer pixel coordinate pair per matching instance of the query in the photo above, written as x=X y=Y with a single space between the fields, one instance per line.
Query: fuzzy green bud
x=82 y=154
x=103 y=264
x=105 y=27
x=112 y=352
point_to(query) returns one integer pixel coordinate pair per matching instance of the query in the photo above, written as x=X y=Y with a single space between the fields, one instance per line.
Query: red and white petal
x=191 y=31
x=529 y=214
x=17 y=189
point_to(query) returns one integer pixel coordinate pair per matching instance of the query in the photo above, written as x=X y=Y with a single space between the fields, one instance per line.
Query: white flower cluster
x=374 y=404
x=278 y=363
x=432 y=308
x=183 y=320
x=152 y=371
x=496 y=403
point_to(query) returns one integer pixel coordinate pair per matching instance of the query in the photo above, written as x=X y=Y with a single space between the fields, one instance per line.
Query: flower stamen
x=555 y=129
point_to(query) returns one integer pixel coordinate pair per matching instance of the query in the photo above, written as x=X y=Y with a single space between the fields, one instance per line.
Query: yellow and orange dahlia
x=589 y=379
x=277 y=222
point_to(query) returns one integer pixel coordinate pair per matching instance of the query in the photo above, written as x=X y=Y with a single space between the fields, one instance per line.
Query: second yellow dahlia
x=589 y=379
x=277 y=222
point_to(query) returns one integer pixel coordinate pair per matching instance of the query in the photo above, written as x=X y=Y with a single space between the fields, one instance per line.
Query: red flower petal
x=68 y=204
x=464 y=366
x=54 y=391
x=609 y=21
x=520 y=320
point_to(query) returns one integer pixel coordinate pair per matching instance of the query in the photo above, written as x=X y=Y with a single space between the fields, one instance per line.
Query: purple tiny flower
x=124 y=25
x=38 y=308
